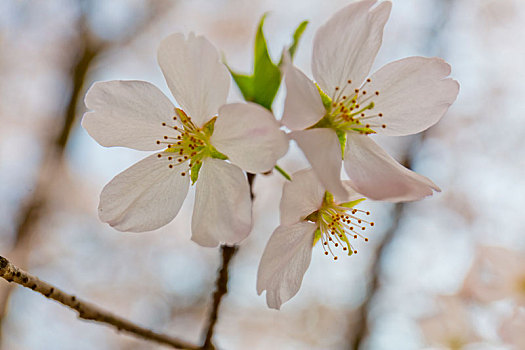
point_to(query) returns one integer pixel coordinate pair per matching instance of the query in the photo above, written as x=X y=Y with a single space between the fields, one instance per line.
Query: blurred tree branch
x=86 y=311
x=361 y=329
x=86 y=49
x=441 y=12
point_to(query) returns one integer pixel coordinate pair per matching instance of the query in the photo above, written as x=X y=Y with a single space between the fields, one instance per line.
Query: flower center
x=338 y=223
x=188 y=144
x=352 y=112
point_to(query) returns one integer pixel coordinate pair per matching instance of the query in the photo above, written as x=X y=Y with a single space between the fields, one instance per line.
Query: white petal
x=303 y=106
x=145 y=196
x=223 y=209
x=378 y=176
x=249 y=135
x=346 y=46
x=323 y=150
x=414 y=94
x=301 y=197
x=196 y=77
x=128 y=114
x=352 y=194
x=284 y=262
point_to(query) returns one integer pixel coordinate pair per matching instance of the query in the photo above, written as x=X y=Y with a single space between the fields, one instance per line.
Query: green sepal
x=341 y=135
x=317 y=237
x=324 y=122
x=261 y=87
x=195 y=172
x=209 y=126
x=312 y=217
x=328 y=198
x=327 y=101
x=352 y=204
x=216 y=154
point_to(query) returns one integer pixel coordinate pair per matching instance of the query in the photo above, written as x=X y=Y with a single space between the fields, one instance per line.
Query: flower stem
x=283 y=173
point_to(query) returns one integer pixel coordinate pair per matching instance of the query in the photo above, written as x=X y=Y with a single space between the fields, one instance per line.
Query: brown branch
x=86 y=311
x=221 y=284
x=221 y=289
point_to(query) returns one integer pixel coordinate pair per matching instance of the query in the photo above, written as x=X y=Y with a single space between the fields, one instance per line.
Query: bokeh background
x=406 y=289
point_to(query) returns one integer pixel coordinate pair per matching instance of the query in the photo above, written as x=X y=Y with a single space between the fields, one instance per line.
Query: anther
x=158 y=142
x=366 y=239
x=364 y=92
x=183 y=174
x=163 y=124
x=170 y=166
x=165 y=137
x=349 y=81
x=159 y=155
x=368 y=80
x=335 y=257
x=377 y=93
x=336 y=88
x=383 y=126
x=380 y=114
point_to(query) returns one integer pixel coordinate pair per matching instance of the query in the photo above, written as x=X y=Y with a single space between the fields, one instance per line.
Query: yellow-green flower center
x=350 y=111
x=338 y=224
x=192 y=144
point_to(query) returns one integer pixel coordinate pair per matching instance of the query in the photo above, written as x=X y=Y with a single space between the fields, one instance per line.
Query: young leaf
x=262 y=86
x=296 y=36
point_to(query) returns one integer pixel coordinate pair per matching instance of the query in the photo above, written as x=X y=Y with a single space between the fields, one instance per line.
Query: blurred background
x=445 y=272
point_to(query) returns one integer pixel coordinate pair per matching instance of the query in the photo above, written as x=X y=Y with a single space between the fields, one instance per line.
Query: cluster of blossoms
x=210 y=143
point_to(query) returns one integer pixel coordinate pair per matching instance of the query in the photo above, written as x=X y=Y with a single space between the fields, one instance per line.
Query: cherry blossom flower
x=497 y=273
x=450 y=327
x=511 y=330
x=309 y=214
x=332 y=118
x=192 y=142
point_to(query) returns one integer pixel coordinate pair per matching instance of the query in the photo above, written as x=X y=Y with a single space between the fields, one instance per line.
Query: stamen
x=337 y=224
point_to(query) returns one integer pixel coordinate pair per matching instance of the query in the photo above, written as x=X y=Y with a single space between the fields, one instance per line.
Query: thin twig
x=86 y=311
x=221 y=289
x=221 y=285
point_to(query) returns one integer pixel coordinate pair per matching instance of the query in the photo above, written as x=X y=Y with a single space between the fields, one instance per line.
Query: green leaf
x=296 y=36
x=262 y=86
